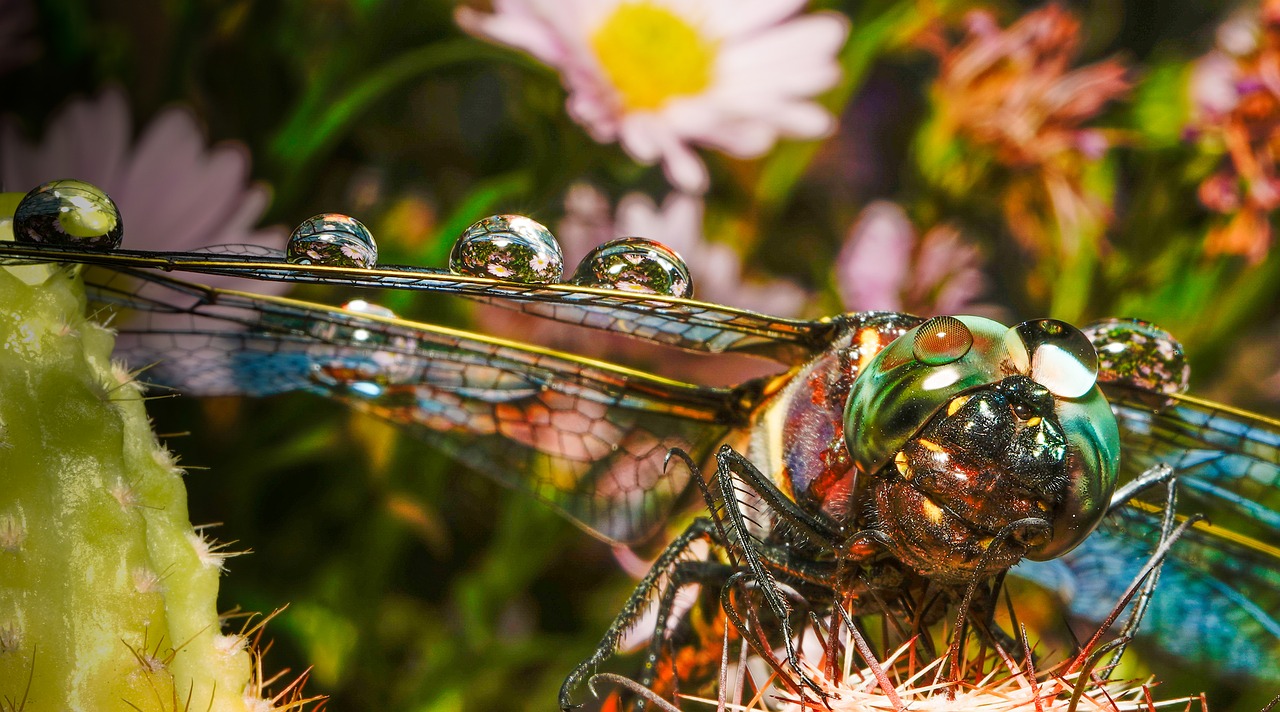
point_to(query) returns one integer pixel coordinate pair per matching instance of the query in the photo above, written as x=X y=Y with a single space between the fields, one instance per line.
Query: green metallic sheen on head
x=1093 y=452
x=897 y=394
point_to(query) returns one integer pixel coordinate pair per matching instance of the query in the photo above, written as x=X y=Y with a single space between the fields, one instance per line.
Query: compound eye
x=941 y=340
x=1054 y=354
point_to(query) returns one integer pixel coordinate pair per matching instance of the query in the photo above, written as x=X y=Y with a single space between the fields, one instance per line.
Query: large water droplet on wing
x=635 y=264
x=508 y=247
x=70 y=213
x=332 y=239
x=1140 y=354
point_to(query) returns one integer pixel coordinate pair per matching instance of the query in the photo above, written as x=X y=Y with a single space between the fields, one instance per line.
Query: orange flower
x=1235 y=90
x=1012 y=90
x=1011 y=96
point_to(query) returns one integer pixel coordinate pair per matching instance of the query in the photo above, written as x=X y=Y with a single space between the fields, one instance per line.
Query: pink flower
x=659 y=76
x=173 y=192
x=886 y=265
x=715 y=267
x=18 y=44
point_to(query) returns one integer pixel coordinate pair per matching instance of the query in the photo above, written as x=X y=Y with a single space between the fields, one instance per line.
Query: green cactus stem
x=108 y=595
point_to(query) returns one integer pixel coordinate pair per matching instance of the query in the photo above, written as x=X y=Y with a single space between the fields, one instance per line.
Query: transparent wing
x=1218 y=599
x=1215 y=605
x=683 y=323
x=587 y=437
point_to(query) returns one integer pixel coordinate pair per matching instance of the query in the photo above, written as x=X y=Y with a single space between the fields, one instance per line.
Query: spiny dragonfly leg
x=684 y=573
x=1169 y=535
x=752 y=631
x=700 y=528
x=1155 y=475
x=736 y=475
x=984 y=608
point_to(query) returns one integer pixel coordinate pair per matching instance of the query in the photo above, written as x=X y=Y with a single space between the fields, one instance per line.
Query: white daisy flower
x=660 y=76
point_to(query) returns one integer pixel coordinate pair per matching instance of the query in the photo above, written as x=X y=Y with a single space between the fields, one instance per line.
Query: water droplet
x=941 y=340
x=70 y=213
x=635 y=264
x=1139 y=353
x=508 y=247
x=332 y=239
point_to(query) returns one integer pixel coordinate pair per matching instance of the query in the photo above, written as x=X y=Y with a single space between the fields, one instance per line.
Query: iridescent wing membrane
x=588 y=437
x=1218 y=600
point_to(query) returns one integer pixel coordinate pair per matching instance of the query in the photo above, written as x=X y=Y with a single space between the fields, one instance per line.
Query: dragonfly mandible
x=868 y=404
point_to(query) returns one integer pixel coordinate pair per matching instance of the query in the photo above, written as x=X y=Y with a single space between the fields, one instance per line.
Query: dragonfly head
x=967 y=426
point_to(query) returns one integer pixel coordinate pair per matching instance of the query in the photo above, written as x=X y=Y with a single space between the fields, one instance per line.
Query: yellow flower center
x=651 y=55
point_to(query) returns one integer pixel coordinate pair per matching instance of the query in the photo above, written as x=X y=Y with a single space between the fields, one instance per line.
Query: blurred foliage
x=417 y=584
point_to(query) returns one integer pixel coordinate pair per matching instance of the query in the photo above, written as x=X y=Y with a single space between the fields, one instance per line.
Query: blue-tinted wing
x=1218 y=599
x=683 y=323
x=586 y=436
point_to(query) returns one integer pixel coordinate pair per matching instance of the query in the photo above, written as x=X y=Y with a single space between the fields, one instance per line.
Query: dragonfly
x=863 y=429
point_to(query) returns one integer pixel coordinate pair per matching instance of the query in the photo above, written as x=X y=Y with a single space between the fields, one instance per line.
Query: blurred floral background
x=1078 y=160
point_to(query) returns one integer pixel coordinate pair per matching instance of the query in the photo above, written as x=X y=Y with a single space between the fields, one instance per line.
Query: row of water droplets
x=511 y=248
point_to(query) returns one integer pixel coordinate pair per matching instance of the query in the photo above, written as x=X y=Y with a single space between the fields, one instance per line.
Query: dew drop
x=635 y=264
x=1139 y=354
x=332 y=239
x=512 y=248
x=68 y=213
x=941 y=340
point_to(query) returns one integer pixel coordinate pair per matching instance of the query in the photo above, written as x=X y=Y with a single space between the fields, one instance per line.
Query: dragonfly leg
x=700 y=528
x=1143 y=600
x=732 y=472
x=984 y=618
x=807 y=526
x=1157 y=474
x=684 y=573
x=752 y=631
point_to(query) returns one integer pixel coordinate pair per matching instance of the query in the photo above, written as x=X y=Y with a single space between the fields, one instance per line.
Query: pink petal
x=873 y=265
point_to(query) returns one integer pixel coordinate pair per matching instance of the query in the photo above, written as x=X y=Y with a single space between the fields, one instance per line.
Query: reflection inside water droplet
x=635 y=264
x=361 y=359
x=332 y=239
x=508 y=247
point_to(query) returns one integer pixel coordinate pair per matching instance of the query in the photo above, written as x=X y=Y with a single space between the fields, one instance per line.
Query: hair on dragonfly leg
x=813 y=529
x=700 y=528
x=1167 y=521
x=959 y=633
